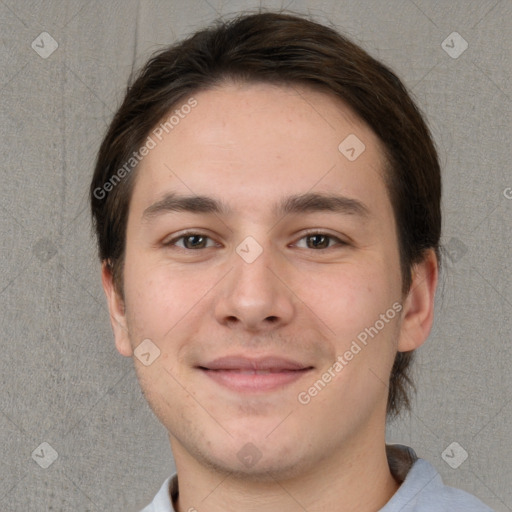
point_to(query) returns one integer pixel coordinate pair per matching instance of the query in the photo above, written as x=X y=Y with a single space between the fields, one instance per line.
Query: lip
x=243 y=374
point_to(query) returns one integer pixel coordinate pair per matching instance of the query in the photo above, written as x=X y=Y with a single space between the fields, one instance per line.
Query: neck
x=354 y=478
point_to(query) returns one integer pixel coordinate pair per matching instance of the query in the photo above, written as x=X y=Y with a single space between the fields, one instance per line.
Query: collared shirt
x=421 y=489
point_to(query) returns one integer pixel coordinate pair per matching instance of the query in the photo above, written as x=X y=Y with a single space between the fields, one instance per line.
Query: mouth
x=246 y=375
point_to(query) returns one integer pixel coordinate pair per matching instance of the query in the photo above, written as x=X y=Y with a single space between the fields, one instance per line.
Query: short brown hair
x=285 y=49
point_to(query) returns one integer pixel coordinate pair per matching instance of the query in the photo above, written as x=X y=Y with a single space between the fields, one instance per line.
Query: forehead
x=249 y=143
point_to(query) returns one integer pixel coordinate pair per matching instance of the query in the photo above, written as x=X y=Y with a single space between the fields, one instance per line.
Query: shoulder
x=162 y=500
x=424 y=491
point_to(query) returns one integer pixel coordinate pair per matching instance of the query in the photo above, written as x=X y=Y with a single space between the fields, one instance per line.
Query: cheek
x=148 y=300
x=159 y=298
x=365 y=322
x=349 y=298
x=359 y=305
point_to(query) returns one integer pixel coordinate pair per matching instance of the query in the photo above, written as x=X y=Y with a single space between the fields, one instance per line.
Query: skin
x=250 y=145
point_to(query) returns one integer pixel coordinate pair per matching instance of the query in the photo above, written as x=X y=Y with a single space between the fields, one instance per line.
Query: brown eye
x=189 y=241
x=321 y=241
x=317 y=241
x=194 y=241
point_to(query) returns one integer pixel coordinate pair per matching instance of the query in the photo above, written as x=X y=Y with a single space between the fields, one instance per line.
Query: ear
x=418 y=313
x=117 y=312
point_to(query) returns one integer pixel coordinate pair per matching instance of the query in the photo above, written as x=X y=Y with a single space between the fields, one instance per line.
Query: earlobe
x=117 y=312
x=418 y=313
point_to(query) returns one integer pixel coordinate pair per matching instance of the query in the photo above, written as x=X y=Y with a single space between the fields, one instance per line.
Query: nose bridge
x=253 y=295
x=252 y=277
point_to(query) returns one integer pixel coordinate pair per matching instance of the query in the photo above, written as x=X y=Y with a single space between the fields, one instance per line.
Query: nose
x=255 y=295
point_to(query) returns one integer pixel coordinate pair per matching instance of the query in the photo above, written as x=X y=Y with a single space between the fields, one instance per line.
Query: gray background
x=63 y=382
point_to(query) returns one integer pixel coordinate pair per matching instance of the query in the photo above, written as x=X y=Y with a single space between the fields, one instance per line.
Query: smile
x=254 y=381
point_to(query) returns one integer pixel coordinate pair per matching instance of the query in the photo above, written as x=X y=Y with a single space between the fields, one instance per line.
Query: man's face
x=281 y=291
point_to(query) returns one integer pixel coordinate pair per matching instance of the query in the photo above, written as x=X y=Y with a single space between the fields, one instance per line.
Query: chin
x=265 y=470
x=267 y=460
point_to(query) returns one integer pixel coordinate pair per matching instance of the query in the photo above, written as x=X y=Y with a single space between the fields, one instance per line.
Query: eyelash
x=186 y=234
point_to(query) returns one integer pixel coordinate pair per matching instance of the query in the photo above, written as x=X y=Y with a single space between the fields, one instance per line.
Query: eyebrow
x=296 y=204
